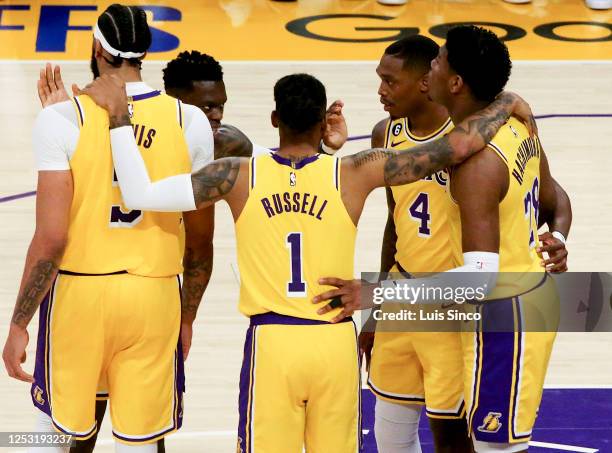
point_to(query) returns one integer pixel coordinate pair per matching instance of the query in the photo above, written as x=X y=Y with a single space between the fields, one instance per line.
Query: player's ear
x=274 y=118
x=424 y=83
x=97 y=49
x=455 y=83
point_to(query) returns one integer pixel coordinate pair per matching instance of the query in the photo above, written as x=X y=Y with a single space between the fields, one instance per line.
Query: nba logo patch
x=292 y=179
x=491 y=423
x=513 y=130
x=131 y=109
x=38 y=393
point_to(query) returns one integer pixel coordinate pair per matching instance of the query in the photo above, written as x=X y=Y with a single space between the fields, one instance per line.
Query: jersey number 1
x=296 y=287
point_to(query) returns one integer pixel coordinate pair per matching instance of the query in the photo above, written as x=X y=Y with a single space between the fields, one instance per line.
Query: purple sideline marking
x=363 y=137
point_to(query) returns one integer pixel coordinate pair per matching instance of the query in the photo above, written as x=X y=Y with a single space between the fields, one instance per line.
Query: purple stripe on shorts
x=276 y=318
x=491 y=417
x=39 y=392
x=245 y=398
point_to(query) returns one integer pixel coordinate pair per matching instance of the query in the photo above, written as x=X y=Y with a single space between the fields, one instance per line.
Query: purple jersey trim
x=295 y=165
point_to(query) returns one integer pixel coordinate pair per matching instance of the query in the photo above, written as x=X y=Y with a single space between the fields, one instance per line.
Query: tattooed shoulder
x=216 y=179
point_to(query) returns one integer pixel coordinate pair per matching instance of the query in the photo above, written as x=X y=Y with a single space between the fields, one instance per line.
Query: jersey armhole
x=252 y=174
x=336 y=176
x=179 y=114
x=497 y=150
x=387 y=132
x=79 y=110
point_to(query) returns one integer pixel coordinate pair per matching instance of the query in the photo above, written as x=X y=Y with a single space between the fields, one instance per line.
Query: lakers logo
x=292 y=179
x=491 y=423
x=38 y=393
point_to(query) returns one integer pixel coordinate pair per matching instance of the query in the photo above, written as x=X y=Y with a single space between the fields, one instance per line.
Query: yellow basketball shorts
x=505 y=363
x=423 y=368
x=121 y=330
x=299 y=386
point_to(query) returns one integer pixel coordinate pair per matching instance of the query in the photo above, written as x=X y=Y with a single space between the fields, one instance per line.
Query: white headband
x=110 y=49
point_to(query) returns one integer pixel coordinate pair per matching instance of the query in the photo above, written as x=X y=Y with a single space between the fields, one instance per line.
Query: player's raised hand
x=50 y=86
x=108 y=91
x=14 y=353
x=557 y=253
x=522 y=111
x=336 y=132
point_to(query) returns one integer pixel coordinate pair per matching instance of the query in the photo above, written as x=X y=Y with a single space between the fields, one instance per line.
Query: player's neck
x=427 y=119
x=461 y=108
x=125 y=72
x=296 y=151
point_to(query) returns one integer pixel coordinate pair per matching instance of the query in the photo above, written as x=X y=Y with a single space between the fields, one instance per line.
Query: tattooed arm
x=54 y=196
x=197 y=265
x=231 y=142
x=382 y=167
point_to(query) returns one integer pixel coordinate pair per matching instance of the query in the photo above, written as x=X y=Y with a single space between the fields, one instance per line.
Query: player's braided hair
x=480 y=58
x=416 y=51
x=126 y=29
x=300 y=101
x=189 y=67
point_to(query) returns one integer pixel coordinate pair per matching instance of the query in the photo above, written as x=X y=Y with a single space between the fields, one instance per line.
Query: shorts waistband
x=79 y=274
x=276 y=318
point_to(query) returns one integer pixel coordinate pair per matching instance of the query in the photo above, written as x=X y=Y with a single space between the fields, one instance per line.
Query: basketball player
x=296 y=214
x=112 y=315
x=498 y=194
x=409 y=370
x=412 y=368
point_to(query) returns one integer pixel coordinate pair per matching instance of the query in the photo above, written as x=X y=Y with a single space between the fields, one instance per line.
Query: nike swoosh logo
x=398 y=143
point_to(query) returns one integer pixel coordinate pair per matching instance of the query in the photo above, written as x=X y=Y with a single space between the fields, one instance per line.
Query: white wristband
x=558 y=235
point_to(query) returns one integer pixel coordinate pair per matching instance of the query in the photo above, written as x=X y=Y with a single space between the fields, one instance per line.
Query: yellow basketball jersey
x=518 y=211
x=421 y=209
x=293 y=230
x=104 y=236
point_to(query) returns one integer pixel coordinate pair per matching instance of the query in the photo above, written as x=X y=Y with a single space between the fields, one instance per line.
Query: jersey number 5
x=120 y=218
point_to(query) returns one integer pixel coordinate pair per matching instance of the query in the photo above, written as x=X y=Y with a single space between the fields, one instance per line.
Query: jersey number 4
x=419 y=211
x=120 y=218
x=296 y=287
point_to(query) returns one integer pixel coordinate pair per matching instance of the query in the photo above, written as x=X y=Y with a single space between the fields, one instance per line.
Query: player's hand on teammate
x=14 y=353
x=347 y=296
x=557 y=253
x=522 y=111
x=50 y=86
x=336 y=132
x=108 y=91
